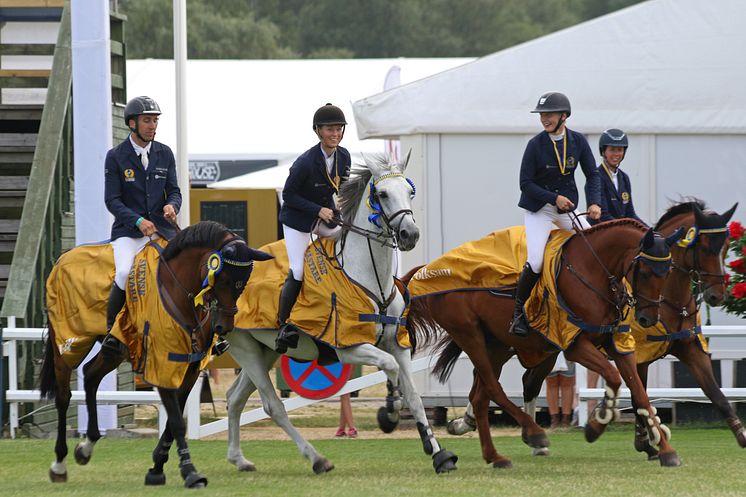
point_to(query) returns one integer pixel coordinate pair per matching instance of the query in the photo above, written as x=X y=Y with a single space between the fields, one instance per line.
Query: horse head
x=649 y=271
x=225 y=273
x=702 y=253
x=390 y=201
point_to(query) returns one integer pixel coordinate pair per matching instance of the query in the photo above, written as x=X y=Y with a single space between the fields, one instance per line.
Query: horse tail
x=48 y=378
x=422 y=327
x=407 y=277
x=450 y=352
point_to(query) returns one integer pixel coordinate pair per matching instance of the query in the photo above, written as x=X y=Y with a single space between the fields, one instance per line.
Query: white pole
x=180 y=61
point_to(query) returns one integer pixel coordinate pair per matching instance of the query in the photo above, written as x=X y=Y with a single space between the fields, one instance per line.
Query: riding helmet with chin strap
x=137 y=107
x=612 y=137
x=553 y=101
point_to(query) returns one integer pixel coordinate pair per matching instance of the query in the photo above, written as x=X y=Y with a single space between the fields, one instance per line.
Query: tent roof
x=656 y=67
x=263 y=108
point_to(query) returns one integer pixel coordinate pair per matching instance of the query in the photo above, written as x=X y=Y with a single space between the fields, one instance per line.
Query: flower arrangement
x=735 y=299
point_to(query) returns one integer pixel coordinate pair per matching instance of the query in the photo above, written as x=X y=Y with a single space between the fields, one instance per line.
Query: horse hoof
x=537 y=441
x=591 y=433
x=57 y=478
x=81 y=458
x=669 y=459
x=542 y=451
x=195 y=480
x=459 y=427
x=502 y=464
x=246 y=466
x=153 y=478
x=444 y=461
x=741 y=438
x=384 y=421
x=322 y=466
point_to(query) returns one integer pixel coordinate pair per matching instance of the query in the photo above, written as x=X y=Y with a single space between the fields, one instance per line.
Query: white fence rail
x=195 y=430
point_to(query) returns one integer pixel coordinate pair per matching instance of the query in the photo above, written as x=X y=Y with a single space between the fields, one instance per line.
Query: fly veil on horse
x=578 y=305
x=351 y=307
x=179 y=299
x=698 y=263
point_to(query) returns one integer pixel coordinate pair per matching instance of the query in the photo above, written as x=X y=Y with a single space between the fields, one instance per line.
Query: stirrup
x=519 y=326
x=286 y=339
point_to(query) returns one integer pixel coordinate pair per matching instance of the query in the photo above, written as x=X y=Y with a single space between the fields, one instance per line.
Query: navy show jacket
x=541 y=180
x=132 y=192
x=308 y=188
x=616 y=204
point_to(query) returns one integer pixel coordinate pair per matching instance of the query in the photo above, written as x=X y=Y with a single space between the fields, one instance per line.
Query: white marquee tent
x=668 y=72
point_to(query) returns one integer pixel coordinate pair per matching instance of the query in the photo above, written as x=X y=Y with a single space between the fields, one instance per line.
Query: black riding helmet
x=328 y=114
x=612 y=137
x=553 y=102
x=137 y=107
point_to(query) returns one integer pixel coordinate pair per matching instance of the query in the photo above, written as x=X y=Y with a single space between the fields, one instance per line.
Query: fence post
x=2 y=383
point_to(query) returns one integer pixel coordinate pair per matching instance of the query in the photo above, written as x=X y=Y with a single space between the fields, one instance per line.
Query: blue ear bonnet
x=375 y=205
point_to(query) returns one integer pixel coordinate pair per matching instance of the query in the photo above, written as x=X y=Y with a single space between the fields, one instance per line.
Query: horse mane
x=684 y=207
x=205 y=234
x=613 y=224
x=351 y=192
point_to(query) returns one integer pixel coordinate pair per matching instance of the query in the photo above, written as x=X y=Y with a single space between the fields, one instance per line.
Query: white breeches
x=296 y=243
x=125 y=250
x=538 y=226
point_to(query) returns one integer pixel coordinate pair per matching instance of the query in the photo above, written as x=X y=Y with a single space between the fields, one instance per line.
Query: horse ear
x=699 y=217
x=258 y=255
x=725 y=216
x=372 y=166
x=648 y=239
x=675 y=236
x=405 y=163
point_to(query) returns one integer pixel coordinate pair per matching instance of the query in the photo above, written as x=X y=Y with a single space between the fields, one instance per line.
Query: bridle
x=206 y=305
x=621 y=300
x=386 y=236
x=694 y=272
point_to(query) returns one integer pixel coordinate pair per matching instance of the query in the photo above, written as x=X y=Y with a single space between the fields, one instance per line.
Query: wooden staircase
x=19 y=128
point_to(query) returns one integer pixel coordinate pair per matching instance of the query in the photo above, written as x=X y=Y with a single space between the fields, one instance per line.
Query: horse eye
x=383 y=195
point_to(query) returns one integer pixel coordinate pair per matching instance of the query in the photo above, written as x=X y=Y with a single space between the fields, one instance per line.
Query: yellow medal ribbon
x=334 y=182
x=214 y=265
x=563 y=163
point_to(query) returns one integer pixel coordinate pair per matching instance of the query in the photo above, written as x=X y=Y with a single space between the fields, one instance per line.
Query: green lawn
x=712 y=466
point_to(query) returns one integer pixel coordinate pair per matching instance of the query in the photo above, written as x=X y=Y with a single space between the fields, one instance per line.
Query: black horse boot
x=519 y=326
x=288 y=336
x=117 y=297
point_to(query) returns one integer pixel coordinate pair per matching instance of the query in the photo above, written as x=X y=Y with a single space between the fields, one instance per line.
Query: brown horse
x=592 y=267
x=698 y=262
x=205 y=256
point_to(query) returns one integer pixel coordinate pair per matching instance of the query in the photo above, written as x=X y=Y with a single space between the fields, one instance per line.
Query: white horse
x=377 y=202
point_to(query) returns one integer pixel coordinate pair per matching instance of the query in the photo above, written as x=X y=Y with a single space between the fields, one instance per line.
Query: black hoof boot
x=444 y=461
x=153 y=478
x=385 y=423
x=195 y=480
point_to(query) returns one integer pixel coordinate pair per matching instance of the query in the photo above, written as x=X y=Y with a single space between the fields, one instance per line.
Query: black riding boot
x=288 y=336
x=117 y=297
x=526 y=283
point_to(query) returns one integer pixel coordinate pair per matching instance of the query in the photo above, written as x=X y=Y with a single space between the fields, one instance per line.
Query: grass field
x=712 y=466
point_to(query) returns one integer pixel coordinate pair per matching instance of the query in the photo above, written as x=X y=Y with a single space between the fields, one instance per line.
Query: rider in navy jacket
x=308 y=207
x=548 y=191
x=308 y=189
x=140 y=190
x=616 y=200
x=131 y=192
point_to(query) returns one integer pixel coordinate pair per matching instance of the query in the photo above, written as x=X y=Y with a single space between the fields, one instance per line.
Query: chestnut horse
x=182 y=274
x=593 y=265
x=698 y=262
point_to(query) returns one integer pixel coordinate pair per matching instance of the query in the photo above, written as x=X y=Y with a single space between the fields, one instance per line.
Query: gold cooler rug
x=159 y=347
x=330 y=307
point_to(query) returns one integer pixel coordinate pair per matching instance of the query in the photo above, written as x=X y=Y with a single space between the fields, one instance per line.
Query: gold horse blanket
x=160 y=347
x=494 y=263
x=331 y=307
x=655 y=342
